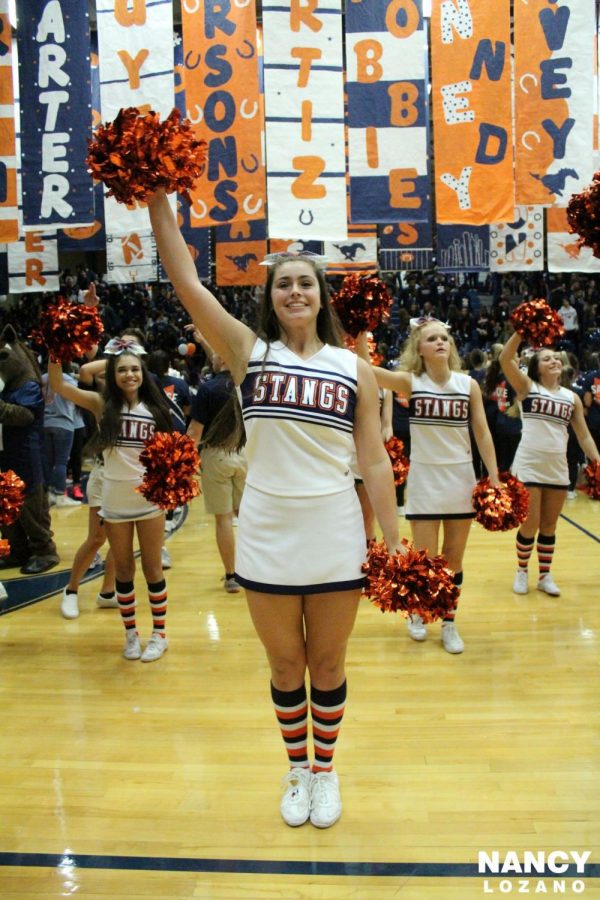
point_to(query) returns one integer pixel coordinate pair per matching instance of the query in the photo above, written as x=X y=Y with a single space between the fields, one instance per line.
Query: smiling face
x=549 y=366
x=295 y=294
x=128 y=374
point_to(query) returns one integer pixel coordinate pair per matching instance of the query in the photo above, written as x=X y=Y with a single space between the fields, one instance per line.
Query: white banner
x=131 y=258
x=33 y=263
x=518 y=246
x=564 y=253
x=304 y=103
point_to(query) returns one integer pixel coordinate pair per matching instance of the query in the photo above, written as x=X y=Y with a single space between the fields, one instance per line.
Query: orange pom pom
x=68 y=330
x=12 y=497
x=537 y=323
x=500 y=508
x=362 y=303
x=171 y=462
x=592 y=480
x=400 y=461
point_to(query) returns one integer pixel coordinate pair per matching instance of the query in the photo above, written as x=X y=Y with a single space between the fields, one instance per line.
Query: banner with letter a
x=33 y=263
x=135 y=42
x=472 y=120
x=564 y=252
x=223 y=101
x=554 y=99
x=518 y=246
x=53 y=41
x=9 y=213
x=386 y=87
x=304 y=123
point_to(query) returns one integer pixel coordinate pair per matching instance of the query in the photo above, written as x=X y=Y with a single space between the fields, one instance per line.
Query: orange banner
x=240 y=249
x=9 y=223
x=472 y=121
x=224 y=104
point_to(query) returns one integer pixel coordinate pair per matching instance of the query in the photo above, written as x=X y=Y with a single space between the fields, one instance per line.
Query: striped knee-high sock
x=458 y=580
x=126 y=598
x=157 y=595
x=291 y=709
x=327 y=710
x=524 y=550
x=545 y=552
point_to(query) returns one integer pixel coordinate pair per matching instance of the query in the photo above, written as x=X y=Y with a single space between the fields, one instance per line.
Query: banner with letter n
x=304 y=120
x=555 y=88
x=472 y=111
x=463 y=248
x=9 y=211
x=388 y=113
x=53 y=41
x=135 y=43
x=240 y=249
x=518 y=246
x=564 y=252
x=223 y=101
x=33 y=263
x=406 y=245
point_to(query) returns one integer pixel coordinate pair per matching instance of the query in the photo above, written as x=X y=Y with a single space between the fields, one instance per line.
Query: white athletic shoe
x=132 y=648
x=155 y=647
x=69 y=606
x=295 y=803
x=546 y=583
x=416 y=627
x=520 y=585
x=451 y=639
x=325 y=800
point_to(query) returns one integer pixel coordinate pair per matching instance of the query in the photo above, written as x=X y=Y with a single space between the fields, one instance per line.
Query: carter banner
x=554 y=99
x=53 y=42
x=564 y=253
x=386 y=87
x=518 y=246
x=304 y=102
x=472 y=121
x=33 y=263
x=223 y=102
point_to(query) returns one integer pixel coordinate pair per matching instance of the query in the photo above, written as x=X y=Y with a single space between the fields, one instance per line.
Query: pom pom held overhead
x=68 y=330
x=362 y=303
x=537 y=323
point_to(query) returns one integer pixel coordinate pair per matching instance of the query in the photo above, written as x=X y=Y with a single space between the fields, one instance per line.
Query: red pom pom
x=500 y=508
x=137 y=153
x=592 y=480
x=414 y=583
x=4 y=548
x=361 y=303
x=400 y=461
x=12 y=497
x=537 y=323
x=68 y=330
x=171 y=462
x=583 y=216
x=374 y=355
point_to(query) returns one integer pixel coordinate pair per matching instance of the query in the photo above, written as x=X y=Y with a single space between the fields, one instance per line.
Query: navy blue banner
x=56 y=113
x=406 y=245
x=463 y=248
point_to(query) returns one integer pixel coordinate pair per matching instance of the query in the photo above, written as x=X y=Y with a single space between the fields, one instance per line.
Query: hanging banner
x=223 y=101
x=472 y=120
x=240 y=248
x=461 y=248
x=33 y=263
x=9 y=213
x=3 y=269
x=386 y=87
x=131 y=258
x=554 y=99
x=358 y=254
x=136 y=69
x=53 y=41
x=277 y=246
x=304 y=122
x=564 y=253
x=518 y=246
x=406 y=245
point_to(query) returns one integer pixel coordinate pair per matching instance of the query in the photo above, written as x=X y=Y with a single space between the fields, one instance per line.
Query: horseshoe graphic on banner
x=187 y=62
x=190 y=9
x=199 y=115
x=248 y=115
x=309 y=221
x=251 y=168
x=241 y=3
x=535 y=135
x=248 y=44
x=202 y=207
x=524 y=78
x=251 y=210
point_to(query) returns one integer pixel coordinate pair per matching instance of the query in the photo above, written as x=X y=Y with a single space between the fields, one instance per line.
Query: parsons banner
x=472 y=111
x=388 y=112
x=53 y=40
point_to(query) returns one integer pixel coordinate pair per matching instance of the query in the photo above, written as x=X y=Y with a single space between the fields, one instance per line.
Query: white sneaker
x=51 y=498
x=451 y=639
x=325 y=800
x=132 y=648
x=107 y=602
x=416 y=628
x=520 y=585
x=546 y=583
x=65 y=500
x=155 y=647
x=295 y=803
x=165 y=558
x=230 y=585
x=571 y=495
x=69 y=606
x=3 y=593
x=97 y=561
x=400 y=510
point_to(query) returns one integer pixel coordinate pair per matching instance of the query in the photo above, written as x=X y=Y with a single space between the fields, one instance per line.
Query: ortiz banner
x=386 y=87
x=518 y=246
x=554 y=99
x=53 y=42
x=221 y=79
x=304 y=103
x=472 y=121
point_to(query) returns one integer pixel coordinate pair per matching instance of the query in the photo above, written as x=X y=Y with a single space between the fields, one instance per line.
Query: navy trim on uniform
x=441 y=516
x=329 y=587
x=553 y=487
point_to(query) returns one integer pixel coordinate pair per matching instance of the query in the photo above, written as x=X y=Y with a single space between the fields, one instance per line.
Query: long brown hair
x=149 y=393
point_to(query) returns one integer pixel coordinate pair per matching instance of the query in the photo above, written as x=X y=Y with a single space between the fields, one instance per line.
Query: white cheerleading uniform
x=441 y=477
x=300 y=524
x=123 y=471
x=541 y=457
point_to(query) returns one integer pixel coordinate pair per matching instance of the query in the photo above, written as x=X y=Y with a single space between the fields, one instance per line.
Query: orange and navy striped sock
x=157 y=595
x=458 y=580
x=545 y=552
x=126 y=598
x=327 y=710
x=524 y=550
x=291 y=709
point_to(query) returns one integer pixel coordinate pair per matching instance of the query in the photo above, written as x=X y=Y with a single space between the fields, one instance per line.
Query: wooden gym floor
x=125 y=780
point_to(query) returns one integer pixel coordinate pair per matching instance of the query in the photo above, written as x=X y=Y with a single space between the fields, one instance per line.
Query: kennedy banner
x=386 y=86
x=304 y=104
x=554 y=99
x=33 y=263
x=54 y=77
x=9 y=219
x=518 y=246
x=472 y=111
